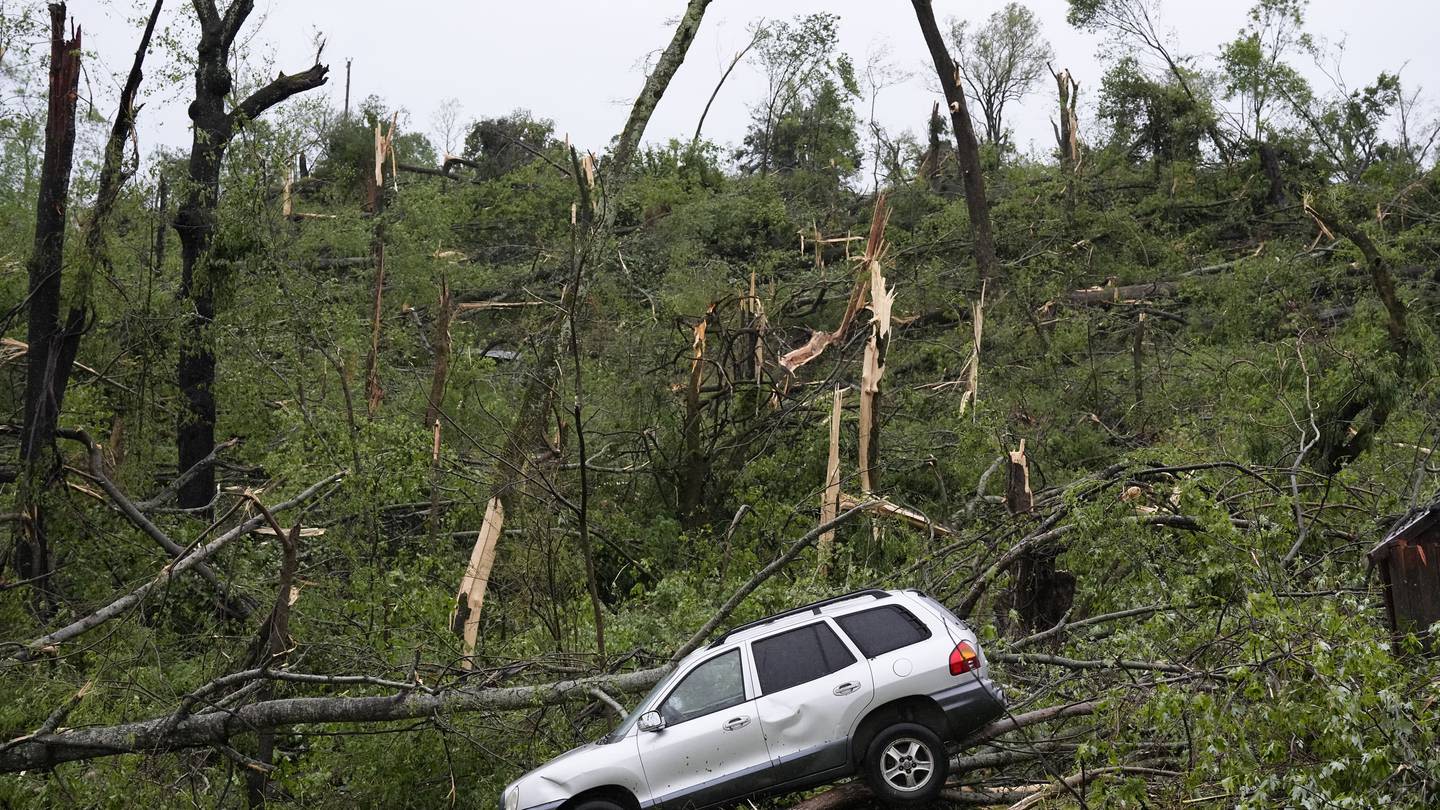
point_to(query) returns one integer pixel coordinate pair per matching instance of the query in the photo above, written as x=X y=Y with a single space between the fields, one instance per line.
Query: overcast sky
x=580 y=62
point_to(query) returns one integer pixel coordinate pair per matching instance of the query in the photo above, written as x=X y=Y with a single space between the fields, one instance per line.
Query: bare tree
x=53 y=345
x=880 y=72
x=967 y=150
x=195 y=222
x=757 y=31
x=1000 y=62
x=44 y=335
x=447 y=124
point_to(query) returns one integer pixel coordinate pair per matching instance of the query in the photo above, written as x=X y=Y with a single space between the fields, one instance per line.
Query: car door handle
x=736 y=723
x=847 y=687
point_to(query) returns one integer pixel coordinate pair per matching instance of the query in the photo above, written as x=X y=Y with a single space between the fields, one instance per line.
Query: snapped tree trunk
x=195 y=223
x=44 y=336
x=967 y=149
x=1067 y=135
x=1041 y=593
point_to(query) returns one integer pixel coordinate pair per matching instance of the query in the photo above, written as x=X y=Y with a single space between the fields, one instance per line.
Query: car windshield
x=634 y=716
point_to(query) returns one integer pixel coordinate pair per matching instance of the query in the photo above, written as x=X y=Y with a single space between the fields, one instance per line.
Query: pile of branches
x=1062 y=696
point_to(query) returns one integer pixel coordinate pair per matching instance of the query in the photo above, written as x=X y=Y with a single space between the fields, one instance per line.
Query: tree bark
x=195 y=223
x=1343 y=437
x=655 y=85
x=44 y=336
x=112 y=178
x=967 y=149
x=1067 y=136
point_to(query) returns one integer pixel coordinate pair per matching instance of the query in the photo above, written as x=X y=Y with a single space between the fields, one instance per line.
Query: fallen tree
x=180 y=730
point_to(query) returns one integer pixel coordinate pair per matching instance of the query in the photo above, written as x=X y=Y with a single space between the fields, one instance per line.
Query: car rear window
x=799 y=656
x=880 y=630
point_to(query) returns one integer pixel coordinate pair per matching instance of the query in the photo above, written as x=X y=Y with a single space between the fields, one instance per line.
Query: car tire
x=598 y=804
x=906 y=765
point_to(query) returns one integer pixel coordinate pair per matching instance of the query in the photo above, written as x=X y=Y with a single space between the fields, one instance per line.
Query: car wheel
x=906 y=765
x=598 y=804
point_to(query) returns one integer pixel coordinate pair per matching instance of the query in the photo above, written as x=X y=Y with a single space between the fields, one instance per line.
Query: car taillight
x=963 y=658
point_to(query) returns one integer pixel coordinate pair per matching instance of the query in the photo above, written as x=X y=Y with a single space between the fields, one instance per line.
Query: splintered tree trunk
x=696 y=468
x=967 y=149
x=882 y=300
x=1067 y=135
x=1041 y=594
x=195 y=223
x=42 y=405
x=830 y=495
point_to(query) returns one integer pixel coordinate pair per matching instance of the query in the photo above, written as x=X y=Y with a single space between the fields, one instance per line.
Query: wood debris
x=830 y=496
x=882 y=301
x=887 y=509
x=465 y=619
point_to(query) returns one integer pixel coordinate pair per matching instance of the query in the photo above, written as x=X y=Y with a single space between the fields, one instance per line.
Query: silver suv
x=871 y=682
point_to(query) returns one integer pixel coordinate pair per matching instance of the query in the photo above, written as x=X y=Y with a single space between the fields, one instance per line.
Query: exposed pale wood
x=830 y=496
x=1122 y=294
x=465 y=619
x=1018 y=497
x=693 y=483
x=971 y=398
x=882 y=301
x=819 y=341
x=880 y=506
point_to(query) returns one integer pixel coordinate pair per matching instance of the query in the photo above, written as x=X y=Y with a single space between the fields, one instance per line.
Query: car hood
x=579 y=769
x=564 y=769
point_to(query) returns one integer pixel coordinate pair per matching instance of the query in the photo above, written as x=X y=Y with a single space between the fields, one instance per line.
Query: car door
x=813 y=690
x=711 y=747
x=889 y=637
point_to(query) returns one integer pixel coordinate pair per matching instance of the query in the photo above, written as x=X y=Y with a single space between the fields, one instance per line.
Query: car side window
x=714 y=685
x=883 y=629
x=799 y=656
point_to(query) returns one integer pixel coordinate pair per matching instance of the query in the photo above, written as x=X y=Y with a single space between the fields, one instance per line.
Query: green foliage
x=1150 y=118
x=806 y=122
x=1295 y=696
x=501 y=145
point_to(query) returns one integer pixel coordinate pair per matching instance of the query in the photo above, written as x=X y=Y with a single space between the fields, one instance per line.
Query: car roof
x=834 y=606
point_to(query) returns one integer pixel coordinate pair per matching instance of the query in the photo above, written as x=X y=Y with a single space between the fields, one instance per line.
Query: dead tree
x=42 y=405
x=1041 y=594
x=214 y=126
x=1067 y=134
x=967 y=149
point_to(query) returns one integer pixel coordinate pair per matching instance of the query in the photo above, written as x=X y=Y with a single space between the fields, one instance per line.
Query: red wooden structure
x=1409 y=563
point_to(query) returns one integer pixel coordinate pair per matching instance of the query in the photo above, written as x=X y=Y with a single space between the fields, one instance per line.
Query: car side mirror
x=651 y=721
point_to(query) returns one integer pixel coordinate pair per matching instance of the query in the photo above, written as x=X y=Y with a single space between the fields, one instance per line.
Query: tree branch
x=50 y=642
x=282 y=88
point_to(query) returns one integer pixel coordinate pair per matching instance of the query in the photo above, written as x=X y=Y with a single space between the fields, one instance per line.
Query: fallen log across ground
x=179 y=730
